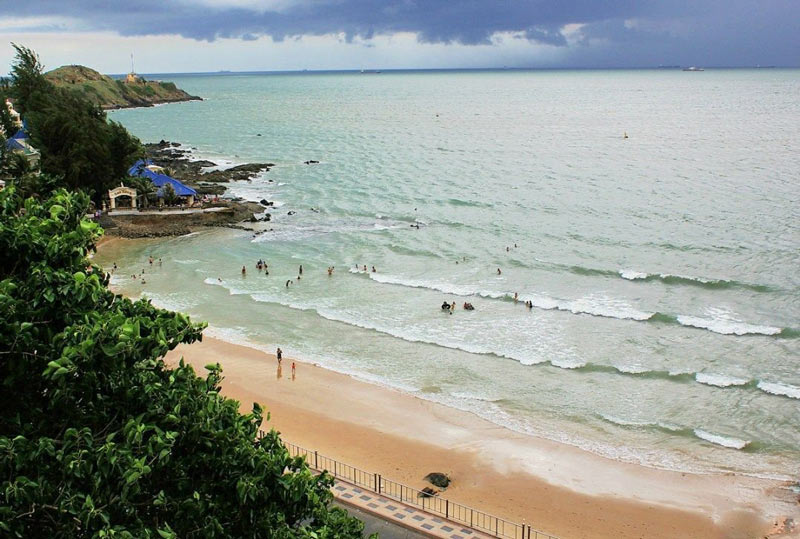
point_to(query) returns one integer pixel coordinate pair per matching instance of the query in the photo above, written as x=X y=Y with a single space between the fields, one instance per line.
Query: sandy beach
x=554 y=487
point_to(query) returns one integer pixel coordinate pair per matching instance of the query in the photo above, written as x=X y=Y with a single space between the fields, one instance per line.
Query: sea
x=629 y=239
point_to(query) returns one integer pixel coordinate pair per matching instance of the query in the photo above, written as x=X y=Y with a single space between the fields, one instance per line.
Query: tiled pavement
x=400 y=513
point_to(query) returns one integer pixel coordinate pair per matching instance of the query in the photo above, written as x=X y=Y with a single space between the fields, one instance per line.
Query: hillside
x=111 y=93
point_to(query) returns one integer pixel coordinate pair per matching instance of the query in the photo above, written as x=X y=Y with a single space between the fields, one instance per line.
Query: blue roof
x=138 y=167
x=161 y=180
x=12 y=144
x=20 y=135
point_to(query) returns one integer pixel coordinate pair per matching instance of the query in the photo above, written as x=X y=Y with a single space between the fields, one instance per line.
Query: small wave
x=776 y=388
x=632 y=275
x=668 y=278
x=569 y=364
x=732 y=443
x=187 y=262
x=641 y=424
x=595 y=306
x=475 y=397
x=471 y=203
x=727 y=327
x=719 y=380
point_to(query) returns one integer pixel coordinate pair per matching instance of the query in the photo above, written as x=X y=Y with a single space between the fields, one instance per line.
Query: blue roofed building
x=20 y=143
x=146 y=169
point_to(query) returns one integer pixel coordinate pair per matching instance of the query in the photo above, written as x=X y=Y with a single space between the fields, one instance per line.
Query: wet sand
x=554 y=487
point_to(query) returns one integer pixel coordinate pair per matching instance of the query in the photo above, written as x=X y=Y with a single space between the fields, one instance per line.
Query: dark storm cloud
x=621 y=31
x=466 y=21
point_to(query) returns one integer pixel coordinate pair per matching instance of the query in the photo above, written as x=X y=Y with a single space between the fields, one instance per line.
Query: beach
x=633 y=367
x=553 y=487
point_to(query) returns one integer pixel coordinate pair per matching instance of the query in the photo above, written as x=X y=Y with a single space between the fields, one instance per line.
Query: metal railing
x=456 y=512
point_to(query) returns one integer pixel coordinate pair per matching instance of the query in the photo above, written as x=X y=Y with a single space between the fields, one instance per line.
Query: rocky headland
x=109 y=93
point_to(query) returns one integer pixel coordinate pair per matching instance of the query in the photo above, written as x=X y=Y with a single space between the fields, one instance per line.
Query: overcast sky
x=255 y=35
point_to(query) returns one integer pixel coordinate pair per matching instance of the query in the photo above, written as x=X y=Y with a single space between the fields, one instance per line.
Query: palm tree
x=144 y=188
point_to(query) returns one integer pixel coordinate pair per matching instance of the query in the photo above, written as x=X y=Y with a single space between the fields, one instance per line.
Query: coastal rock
x=428 y=492
x=439 y=479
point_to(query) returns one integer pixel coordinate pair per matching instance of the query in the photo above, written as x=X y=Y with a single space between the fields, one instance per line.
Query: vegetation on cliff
x=107 y=93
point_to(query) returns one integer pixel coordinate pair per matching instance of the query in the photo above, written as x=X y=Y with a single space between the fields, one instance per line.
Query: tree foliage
x=77 y=142
x=98 y=438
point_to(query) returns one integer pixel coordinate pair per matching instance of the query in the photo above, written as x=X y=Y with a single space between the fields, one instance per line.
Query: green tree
x=77 y=142
x=169 y=195
x=98 y=438
x=144 y=189
x=27 y=77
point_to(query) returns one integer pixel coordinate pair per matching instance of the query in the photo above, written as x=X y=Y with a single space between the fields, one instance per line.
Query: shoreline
x=511 y=475
x=515 y=476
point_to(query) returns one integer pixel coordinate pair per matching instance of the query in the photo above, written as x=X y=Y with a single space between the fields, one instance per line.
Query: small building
x=146 y=169
x=20 y=143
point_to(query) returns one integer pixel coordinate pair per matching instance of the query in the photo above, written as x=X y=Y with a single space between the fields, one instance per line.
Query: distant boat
x=693 y=68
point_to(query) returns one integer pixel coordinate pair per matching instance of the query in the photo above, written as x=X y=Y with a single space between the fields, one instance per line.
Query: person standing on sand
x=279 y=353
x=293 y=370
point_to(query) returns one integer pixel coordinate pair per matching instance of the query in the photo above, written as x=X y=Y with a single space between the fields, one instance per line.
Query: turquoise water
x=662 y=267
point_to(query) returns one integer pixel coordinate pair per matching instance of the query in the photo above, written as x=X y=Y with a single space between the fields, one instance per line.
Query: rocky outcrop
x=438 y=479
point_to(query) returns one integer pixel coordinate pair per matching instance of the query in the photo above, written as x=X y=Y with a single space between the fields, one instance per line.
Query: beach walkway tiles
x=402 y=514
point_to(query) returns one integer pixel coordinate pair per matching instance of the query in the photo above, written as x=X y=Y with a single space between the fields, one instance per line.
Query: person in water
x=499 y=272
x=301 y=270
x=244 y=271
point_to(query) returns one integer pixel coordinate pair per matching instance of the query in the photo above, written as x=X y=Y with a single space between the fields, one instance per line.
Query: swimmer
x=499 y=272
x=244 y=271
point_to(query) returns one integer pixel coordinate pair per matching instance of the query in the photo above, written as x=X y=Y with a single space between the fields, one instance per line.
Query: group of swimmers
x=451 y=307
x=364 y=268
x=262 y=264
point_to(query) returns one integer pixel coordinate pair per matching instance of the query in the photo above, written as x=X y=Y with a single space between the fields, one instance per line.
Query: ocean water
x=662 y=268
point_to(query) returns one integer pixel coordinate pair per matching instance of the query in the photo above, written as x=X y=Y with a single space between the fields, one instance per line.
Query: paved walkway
x=174 y=211
x=402 y=514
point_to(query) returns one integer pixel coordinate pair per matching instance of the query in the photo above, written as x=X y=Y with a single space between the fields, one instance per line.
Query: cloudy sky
x=255 y=35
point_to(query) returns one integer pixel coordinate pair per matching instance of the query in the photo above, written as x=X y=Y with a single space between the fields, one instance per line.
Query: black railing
x=456 y=512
